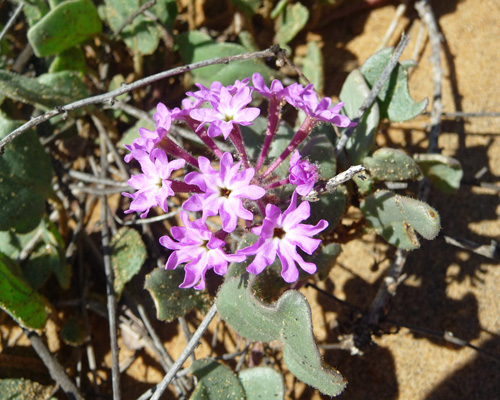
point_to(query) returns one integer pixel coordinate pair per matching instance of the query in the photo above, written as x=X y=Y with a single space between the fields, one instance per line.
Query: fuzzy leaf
x=319 y=150
x=290 y=22
x=70 y=23
x=128 y=254
x=216 y=381
x=288 y=320
x=330 y=207
x=444 y=172
x=17 y=297
x=394 y=98
x=172 y=302
x=25 y=180
x=34 y=10
x=396 y=218
x=195 y=46
x=48 y=90
x=262 y=383
x=353 y=93
x=23 y=389
x=392 y=165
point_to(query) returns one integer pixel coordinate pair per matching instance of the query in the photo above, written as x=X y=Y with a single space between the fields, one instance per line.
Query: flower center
x=225 y=192
x=278 y=233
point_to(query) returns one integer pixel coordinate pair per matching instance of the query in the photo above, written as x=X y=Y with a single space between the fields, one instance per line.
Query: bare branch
x=11 y=20
x=273 y=51
x=55 y=369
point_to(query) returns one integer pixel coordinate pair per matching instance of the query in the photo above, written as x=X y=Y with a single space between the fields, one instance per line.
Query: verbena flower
x=303 y=174
x=197 y=246
x=153 y=186
x=227 y=110
x=276 y=89
x=279 y=235
x=224 y=191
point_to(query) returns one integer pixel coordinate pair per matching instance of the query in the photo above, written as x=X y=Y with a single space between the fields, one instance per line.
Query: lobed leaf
x=68 y=24
x=394 y=98
x=396 y=218
x=288 y=320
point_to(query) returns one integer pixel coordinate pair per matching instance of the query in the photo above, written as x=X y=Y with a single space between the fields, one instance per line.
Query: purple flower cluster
x=229 y=190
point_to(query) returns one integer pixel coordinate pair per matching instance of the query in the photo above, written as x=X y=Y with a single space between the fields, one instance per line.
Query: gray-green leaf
x=394 y=98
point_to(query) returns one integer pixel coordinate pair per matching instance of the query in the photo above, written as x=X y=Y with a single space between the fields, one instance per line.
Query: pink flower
x=153 y=186
x=223 y=190
x=275 y=90
x=197 y=246
x=227 y=110
x=280 y=234
x=303 y=174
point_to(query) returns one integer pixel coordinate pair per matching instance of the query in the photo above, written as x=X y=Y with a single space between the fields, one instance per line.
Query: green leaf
x=73 y=332
x=290 y=22
x=394 y=98
x=289 y=321
x=142 y=35
x=353 y=93
x=312 y=66
x=72 y=59
x=47 y=91
x=23 y=389
x=320 y=151
x=195 y=46
x=392 y=165
x=128 y=254
x=216 y=382
x=17 y=297
x=70 y=23
x=262 y=383
x=396 y=218
x=34 y=10
x=444 y=172
x=249 y=7
x=330 y=207
x=172 y=302
x=25 y=180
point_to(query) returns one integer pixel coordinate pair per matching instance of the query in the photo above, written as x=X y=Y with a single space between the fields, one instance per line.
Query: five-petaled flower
x=153 y=186
x=224 y=191
x=227 y=111
x=197 y=246
x=279 y=235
